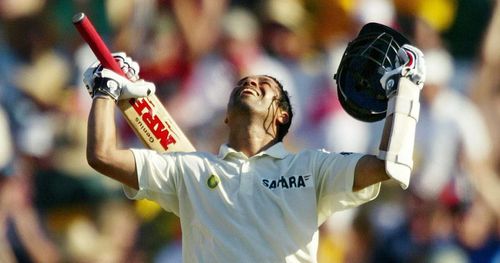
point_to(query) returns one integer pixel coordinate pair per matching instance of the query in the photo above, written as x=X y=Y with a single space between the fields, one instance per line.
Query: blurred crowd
x=55 y=208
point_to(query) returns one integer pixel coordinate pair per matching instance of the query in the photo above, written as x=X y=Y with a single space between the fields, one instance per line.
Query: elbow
x=97 y=159
x=93 y=161
x=369 y=170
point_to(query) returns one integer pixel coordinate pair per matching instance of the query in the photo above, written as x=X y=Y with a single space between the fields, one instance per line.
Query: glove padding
x=410 y=64
x=102 y=82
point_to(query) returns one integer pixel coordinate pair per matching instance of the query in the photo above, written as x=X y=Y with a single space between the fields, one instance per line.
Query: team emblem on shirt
x=293 y=181
x=213 y=181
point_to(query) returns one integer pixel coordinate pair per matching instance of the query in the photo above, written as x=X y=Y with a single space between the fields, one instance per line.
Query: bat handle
x=95 y=42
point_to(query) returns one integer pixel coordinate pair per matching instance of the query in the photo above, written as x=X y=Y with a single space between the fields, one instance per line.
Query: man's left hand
x=410 y=64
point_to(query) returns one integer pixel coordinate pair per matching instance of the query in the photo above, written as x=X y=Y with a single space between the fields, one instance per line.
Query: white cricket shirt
x=266 y=208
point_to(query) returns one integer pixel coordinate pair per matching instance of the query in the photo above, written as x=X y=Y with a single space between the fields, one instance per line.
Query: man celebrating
x=254 y=201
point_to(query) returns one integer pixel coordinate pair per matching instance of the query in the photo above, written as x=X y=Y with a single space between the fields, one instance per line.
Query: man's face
x=257 y=98
x=258 y=93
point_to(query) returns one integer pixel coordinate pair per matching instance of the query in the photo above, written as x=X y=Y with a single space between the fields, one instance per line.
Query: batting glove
x=409 y=64
x=102 y=82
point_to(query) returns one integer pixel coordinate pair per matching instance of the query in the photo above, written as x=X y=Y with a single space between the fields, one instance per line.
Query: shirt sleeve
x=157 y=177
x=335 y=179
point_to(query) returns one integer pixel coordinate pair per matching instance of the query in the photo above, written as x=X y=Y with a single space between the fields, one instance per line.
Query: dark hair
x=283 y=103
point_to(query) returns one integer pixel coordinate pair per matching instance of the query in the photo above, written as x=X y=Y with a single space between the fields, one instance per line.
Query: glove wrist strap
x=107 y=87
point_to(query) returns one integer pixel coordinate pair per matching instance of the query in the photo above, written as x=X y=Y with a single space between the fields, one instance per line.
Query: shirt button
x=245 y=168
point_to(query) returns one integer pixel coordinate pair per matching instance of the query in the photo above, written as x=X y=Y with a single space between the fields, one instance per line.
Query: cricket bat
x=146 y=116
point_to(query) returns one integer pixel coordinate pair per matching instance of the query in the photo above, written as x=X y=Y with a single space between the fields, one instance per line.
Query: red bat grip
x=95 y=42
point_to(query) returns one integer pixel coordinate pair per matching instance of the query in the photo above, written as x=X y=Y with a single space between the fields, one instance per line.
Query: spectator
x=453 y=133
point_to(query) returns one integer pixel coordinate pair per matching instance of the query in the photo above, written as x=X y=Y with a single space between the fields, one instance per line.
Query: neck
x=250 y=137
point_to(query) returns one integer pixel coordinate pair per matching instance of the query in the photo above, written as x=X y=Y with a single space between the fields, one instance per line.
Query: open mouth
x=249 y=91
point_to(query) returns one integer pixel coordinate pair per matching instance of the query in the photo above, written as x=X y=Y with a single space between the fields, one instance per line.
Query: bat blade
x=146 y=116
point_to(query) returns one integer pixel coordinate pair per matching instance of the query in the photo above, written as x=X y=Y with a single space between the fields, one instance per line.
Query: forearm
x=102 y=151
x=386 y=134
x=371 y=169
x=101 y=136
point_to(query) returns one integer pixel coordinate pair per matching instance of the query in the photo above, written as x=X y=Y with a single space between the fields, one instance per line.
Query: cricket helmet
x=365 y=60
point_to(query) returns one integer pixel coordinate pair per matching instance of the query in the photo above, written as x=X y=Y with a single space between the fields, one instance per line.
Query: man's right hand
x=101 y=82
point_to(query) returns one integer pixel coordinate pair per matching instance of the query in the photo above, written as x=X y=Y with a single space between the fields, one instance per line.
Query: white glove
x=410 y=64
x=104 y=82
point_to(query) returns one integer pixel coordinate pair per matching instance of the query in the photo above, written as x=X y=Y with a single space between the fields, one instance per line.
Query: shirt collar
x=277 y=151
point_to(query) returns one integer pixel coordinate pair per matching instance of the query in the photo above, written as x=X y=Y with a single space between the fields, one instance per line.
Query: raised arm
x=107 y=87
x=395 y=158
x=199 y=22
